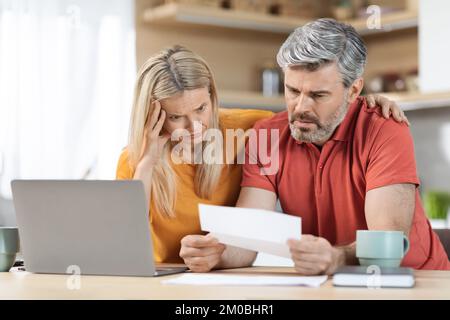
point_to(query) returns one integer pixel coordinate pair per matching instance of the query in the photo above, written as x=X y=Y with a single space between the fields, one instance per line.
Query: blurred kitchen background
x=67 y=71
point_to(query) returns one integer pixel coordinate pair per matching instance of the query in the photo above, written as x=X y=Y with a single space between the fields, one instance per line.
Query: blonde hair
x=165 y=75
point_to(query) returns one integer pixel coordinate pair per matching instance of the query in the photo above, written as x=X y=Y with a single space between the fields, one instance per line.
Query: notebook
x=374 y=277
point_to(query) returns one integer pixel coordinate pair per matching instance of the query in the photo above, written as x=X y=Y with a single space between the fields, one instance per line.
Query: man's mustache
x=305 y=117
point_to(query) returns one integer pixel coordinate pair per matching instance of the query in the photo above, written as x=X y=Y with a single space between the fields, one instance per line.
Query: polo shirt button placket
x=319 y=179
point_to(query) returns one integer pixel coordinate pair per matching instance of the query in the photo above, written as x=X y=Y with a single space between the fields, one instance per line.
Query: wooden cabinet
x=237 y=43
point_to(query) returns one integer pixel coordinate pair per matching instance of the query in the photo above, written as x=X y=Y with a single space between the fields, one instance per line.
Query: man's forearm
x=234 y=257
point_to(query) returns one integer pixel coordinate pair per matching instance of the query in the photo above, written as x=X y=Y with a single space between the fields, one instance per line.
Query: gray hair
x=325 y=41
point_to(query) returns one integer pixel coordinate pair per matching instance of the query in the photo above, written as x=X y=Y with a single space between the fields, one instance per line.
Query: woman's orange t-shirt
x=168 y=232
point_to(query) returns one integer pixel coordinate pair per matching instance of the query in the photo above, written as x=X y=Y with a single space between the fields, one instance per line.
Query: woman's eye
x=174 y=118
x=202 y=108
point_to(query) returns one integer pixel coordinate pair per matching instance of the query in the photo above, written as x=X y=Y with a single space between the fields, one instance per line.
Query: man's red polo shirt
x=327 y=188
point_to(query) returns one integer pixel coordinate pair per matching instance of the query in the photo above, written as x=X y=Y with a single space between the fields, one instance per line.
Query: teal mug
x=381 y=248
x=9 y=247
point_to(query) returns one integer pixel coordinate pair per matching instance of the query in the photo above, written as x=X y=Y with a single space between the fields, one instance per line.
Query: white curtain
x=67 y=70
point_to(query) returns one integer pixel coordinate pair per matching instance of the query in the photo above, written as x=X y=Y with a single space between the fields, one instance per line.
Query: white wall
x=434 y=47
x=431 y=132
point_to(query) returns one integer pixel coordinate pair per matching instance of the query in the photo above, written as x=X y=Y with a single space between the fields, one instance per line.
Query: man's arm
x=386 y=208
x=234 y=257
x=204 y=253
x=391 y=207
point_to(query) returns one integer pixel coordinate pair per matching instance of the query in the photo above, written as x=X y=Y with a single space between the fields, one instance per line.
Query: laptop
x=86 y=227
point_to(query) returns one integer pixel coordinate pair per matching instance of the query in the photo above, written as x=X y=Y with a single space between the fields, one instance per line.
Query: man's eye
x=317 y=96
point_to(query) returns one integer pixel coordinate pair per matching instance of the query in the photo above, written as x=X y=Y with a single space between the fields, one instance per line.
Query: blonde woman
x=175 y=89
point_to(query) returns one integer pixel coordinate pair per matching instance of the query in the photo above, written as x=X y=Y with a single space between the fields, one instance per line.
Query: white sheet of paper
x=254 y=280
x=253 y=229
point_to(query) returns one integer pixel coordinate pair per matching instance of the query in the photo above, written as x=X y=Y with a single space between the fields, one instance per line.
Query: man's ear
x=355 y=89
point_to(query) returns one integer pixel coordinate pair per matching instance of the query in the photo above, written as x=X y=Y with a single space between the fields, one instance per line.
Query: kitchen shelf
x=178 y=14
x=420 y=101
x=250 y=100
x=407 y=101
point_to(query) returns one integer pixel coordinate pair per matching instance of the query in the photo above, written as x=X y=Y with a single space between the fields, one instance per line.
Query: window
x=67 y=71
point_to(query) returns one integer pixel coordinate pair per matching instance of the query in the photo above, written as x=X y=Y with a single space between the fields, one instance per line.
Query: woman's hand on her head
x=154 y=139
x=201 y=253
x=388 y=107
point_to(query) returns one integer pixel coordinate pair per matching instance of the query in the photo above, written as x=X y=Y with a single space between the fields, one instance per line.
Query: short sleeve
x=123 y=171
x=259 y=169
x=391 y=158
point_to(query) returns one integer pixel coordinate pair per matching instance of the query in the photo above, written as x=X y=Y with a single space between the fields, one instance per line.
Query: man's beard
x=324 y=130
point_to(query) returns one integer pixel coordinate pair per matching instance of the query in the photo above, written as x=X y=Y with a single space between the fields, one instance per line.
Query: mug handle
x=405 y=245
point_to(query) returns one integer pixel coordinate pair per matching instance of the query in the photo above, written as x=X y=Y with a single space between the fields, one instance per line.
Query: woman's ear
x=355 y=90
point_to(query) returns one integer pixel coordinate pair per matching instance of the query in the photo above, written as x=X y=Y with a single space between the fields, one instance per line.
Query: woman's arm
x=152 y=149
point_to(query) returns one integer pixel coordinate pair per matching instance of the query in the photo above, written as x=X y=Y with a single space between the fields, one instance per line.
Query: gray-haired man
x=343 y=166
